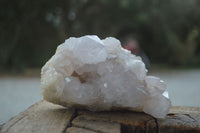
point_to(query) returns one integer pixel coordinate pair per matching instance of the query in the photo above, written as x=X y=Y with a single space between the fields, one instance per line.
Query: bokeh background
x=168 y=31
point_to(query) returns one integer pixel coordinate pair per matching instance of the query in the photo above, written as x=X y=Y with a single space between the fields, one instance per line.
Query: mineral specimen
x=100 y=75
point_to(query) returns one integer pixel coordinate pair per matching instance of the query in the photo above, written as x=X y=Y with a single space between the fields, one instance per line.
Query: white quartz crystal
x=99 y=75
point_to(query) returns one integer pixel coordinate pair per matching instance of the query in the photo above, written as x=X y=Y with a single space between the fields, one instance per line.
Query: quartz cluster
x=99 y=75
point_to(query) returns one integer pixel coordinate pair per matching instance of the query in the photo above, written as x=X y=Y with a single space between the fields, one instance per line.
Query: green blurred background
x=167 y=30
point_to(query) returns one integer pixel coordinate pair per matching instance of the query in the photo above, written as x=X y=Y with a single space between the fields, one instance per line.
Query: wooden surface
x=44 y=117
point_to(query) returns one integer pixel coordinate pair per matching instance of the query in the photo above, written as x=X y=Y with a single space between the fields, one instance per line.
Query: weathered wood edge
x=36 y=119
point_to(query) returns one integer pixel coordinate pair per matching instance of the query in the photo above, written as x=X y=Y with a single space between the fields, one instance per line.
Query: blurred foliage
x=168 y=31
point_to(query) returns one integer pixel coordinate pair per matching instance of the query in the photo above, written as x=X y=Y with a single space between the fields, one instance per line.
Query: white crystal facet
x=99 y=75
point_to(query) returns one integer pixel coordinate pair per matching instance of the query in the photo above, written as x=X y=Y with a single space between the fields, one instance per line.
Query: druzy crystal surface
x=100 y=75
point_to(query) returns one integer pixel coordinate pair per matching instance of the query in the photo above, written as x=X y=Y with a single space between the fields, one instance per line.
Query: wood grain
x=44 y=117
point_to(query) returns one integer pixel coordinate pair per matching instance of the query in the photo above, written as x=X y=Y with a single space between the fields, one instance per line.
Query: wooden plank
x=132 y=121
x=184 y=110
x=180 y=123
x=98 y=126
x=43 y=117
x=79 y=130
